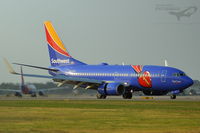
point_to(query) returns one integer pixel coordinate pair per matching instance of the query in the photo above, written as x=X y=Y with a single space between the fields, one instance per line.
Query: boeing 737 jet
x=27 y=89
x=108 y=80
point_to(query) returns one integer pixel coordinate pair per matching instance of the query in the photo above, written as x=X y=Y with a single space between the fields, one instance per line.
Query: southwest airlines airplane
x=27 y=89
x=108 y=80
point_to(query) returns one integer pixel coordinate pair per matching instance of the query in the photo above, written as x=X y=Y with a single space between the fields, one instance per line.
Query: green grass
x=72 y=116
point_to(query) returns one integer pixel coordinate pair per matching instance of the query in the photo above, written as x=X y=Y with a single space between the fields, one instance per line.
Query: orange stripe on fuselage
x=54 y=35
x=137 y=68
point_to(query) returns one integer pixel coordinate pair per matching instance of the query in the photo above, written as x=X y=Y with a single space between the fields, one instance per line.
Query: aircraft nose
x=189 y=82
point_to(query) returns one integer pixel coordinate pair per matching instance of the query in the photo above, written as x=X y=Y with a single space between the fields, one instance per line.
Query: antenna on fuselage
x=166 y=63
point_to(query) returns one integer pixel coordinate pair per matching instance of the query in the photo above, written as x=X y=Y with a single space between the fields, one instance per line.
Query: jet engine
x=111 y=89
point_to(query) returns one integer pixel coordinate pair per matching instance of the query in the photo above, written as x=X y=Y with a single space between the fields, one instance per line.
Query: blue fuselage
x=159 y=78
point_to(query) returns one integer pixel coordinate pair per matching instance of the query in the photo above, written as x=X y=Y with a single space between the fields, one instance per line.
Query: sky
x=95 y=31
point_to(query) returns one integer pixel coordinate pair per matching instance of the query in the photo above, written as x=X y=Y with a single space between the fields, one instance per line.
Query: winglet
x=166 y=63
x=9 y=67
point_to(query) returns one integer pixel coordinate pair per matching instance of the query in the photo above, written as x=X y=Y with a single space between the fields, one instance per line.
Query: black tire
x=100 y=96
x=127 y=95
x=33 y=95
x=20 y=96
x=173 y=96
x=17 y=94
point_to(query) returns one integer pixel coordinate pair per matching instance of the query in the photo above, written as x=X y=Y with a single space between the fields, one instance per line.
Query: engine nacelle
x=154 y=93
x=111 y=89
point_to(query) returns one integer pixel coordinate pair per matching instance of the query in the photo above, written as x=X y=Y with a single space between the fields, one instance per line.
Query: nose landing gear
x=174 y=93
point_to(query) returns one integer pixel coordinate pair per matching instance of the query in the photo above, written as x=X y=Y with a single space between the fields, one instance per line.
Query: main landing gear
x=127 y=95
x=33 y=95
x=18 y=94
x=173 y=96
x=100 y=96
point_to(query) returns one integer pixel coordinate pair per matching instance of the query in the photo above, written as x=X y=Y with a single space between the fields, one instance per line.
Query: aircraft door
x=116 y=77
x=163 y=75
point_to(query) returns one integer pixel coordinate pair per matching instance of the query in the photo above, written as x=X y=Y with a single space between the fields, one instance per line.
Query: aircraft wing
x=51 y=89
x=9 y=90
x=63 y=79
x=89 y=83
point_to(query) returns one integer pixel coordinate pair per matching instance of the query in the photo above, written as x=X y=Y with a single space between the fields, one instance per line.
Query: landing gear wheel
x=127 y=95
x=100 y=96
x=20 y=96
x=173 y=96
x=17 y=94
x=33 y=95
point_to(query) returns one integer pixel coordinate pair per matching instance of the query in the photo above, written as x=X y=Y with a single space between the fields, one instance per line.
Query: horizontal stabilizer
x=50 y=69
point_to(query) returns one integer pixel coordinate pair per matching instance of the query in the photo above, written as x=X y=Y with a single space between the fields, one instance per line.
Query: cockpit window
x=182 y=74
x=179 y=74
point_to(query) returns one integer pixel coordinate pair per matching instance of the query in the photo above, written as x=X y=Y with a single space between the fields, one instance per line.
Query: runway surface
x=82 y=97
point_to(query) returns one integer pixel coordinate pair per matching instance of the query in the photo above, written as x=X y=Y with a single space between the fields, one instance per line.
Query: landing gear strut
x=127 y=95
x=33 y=95
x=173 y=96
x=17 y=94
x=100 y=96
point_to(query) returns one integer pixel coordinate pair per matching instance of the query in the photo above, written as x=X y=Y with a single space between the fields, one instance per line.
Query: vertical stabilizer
x=22 y=76
x=57 y=51
x=22 y=86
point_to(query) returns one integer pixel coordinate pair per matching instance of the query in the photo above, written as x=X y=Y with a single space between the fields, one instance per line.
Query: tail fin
x=22 y=76
x=57 y=51
x=22 y=86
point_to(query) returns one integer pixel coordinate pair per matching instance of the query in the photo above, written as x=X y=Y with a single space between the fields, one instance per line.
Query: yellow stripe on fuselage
x=54 y=35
